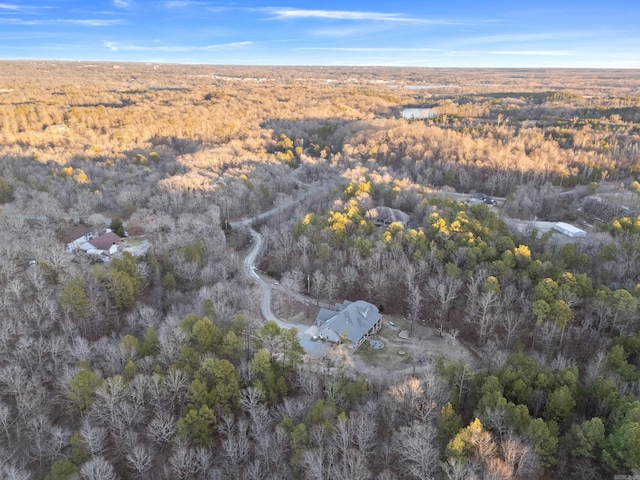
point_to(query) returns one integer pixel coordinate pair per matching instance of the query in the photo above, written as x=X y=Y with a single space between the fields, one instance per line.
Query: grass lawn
x=389 y=355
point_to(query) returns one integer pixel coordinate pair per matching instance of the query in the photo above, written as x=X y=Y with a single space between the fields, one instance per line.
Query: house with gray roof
x=353 y=322
x=385 y=216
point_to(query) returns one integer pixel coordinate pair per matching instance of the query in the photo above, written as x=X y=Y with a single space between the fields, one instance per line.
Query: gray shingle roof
x=353 y=322
x=388 y=215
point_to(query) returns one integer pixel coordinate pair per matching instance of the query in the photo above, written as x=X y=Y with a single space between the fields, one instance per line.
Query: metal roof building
x=569 y=230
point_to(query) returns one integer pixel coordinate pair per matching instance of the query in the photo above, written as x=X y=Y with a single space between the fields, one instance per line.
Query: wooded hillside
x=158 y=363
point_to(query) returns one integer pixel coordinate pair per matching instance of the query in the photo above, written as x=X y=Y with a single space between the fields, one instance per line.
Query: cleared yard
x=406 y=356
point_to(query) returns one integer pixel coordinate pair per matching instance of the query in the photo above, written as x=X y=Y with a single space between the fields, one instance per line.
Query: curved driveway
x=313 y=348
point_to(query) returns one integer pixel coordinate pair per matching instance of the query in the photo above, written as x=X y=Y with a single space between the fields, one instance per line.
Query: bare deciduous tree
x=182 y=463
x=444 y=289
x=520 y=457
x=6 y=421
x=95 y=437
x=162 y=428
x=342 y=435
x=414 y=301
x=460 y=469
x=235 y=445
x=97 y=468
x=414 y=446
x=318 y=284
x=511 y=321
x=255 y=471
x=406 y=399
x=363 y=432
x=331 y=284
x=140 y=459
x=352 y=464
x=13 y=472
x=314 y=463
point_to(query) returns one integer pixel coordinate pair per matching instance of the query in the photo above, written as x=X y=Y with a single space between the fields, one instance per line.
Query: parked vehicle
x=481 y=198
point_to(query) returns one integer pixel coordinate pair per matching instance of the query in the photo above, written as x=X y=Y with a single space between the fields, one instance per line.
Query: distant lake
x=418 y=113
x=425 y=87
x=418 y=87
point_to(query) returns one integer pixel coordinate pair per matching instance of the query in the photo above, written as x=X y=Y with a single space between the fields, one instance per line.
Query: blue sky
x=449 y=33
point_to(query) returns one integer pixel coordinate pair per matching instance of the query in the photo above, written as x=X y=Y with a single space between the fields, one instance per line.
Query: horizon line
x=318 y=65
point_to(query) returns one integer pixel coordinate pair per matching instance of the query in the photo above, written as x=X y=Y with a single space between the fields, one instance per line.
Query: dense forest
x=157 y=362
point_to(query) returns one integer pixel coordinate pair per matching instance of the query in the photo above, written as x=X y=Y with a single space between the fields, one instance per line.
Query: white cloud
x=510 y=38
x=115 y=47
x=545 y=53
x=179 y=4
x=228 y=46
x=9 y=7
x=506 y=53
x=93 y=22
x=371 y=49
x=292 y=13
x=296 y=13
x=121 y=3
x=89 y=22
x=352 y=30
x=523 y=37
